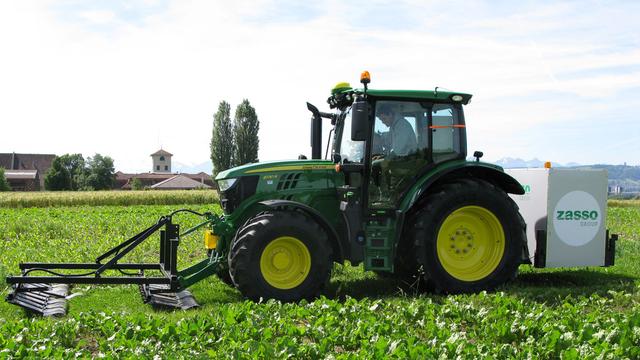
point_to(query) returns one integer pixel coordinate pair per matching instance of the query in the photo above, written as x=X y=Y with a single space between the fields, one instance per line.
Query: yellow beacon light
x=365 y=77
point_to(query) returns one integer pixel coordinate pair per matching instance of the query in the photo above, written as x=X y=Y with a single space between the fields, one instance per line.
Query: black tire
x=468 y=194
x=222 y=274
x=225 y=277
x=252 y=240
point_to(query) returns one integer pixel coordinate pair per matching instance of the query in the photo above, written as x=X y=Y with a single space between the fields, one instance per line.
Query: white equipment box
x=565 y=211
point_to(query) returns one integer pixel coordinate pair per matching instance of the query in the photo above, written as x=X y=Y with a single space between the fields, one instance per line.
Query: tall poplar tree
x=245 y=134
x=222 y=144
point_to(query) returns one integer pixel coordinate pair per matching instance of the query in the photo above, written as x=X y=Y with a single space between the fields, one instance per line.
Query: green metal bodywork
x=315 y=186
x=264 y=168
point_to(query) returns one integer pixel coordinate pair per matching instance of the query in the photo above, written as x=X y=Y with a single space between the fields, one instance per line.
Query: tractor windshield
x=349 y=150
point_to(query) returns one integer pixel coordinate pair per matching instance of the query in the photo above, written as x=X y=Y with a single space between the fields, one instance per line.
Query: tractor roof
x=428 y=95
x=433 y=95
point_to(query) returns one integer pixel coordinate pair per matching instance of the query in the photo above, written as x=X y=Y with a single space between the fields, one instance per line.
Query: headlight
x=225 y=184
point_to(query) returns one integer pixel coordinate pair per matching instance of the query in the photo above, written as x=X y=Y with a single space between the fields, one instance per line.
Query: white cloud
x=98 y=17
x=126 y=89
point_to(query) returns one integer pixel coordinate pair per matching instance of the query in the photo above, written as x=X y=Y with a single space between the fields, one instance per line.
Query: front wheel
x=472 y=236
x=280 y=255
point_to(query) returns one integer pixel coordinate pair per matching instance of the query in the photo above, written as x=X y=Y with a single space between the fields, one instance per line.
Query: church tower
x=161 y=161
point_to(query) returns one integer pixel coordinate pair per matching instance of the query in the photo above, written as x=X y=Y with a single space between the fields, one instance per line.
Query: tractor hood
x=274 y=166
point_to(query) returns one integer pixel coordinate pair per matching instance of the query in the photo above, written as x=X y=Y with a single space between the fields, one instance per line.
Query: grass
x=98 y=198
x=550 y=313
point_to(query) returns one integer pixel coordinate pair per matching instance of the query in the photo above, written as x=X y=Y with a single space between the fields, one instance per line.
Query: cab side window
x=445 y=130
x=398 y=129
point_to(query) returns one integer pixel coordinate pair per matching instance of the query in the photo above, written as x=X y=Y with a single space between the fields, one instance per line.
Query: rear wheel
x=280 y=255
x=472 y=236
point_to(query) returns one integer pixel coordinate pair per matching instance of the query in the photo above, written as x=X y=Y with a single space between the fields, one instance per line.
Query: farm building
x=26 y=172
x=161 y=176
x=23 y=180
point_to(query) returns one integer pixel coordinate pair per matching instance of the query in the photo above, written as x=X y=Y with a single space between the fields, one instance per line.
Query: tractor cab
x=406 y=137
x=384 y=142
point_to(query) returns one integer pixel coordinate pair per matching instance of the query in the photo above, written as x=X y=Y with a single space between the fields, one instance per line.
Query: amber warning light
x=365 y=78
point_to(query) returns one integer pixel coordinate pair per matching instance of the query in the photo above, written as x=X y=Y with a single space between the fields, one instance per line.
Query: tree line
x=73 y=172
x=234 y=143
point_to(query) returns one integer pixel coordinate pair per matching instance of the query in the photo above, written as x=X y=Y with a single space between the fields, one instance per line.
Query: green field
x=568 y=313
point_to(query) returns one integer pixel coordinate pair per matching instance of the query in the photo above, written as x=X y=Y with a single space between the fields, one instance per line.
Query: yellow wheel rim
x=285 y=262
x=470 y=243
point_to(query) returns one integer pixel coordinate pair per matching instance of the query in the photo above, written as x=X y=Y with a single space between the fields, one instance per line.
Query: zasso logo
x=576 y=215
x=577 y=218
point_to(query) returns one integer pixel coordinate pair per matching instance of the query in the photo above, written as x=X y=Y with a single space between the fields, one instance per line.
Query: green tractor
x=398 y=195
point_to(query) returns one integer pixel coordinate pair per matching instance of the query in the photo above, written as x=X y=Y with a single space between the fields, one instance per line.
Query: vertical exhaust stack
x=316 y=132
x=316 y=137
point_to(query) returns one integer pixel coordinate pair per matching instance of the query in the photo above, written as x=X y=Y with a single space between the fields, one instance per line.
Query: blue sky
x=553 y=80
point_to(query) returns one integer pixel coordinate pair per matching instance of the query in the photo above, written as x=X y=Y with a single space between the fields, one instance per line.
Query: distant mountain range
x=624 y=176
x=627 y=178
x=205 y=167
x=509 y=163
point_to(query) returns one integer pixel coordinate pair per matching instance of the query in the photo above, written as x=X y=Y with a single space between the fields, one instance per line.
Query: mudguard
x=460 y=169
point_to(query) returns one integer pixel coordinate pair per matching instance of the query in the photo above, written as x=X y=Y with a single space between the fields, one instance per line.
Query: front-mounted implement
x=161 y=283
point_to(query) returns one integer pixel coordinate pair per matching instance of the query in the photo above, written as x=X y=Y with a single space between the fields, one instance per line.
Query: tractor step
x=42 y=299
x=380 y=236
x=159 y=296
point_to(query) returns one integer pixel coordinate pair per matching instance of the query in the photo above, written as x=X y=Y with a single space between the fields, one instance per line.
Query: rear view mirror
x=359 y=120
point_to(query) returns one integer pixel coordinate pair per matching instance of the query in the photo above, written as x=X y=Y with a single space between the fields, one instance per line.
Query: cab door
x=408 y=138
x=400 y=148
x=379 y=171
